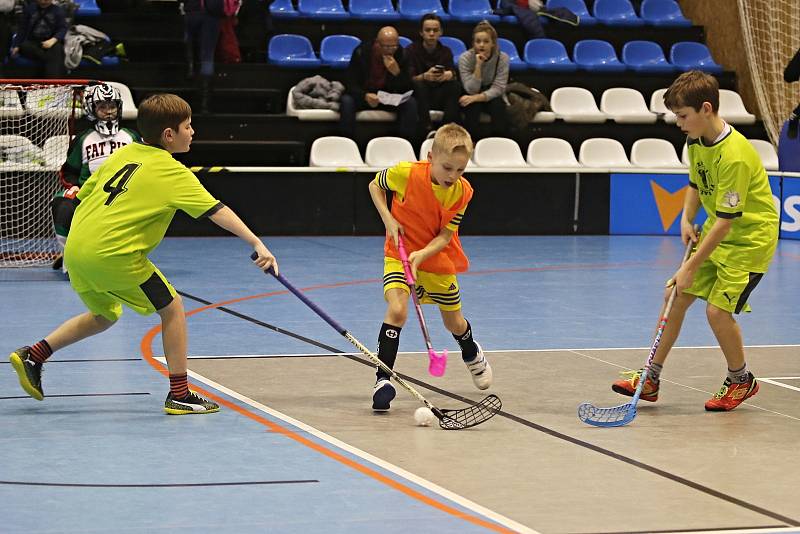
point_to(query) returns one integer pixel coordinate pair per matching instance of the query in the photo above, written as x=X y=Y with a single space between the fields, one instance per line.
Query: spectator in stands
x=254 y=28
x=430 y=65
x=40 y=36
x=484 y=74
x=201 y=31
x=378 y=65
x=6 y=23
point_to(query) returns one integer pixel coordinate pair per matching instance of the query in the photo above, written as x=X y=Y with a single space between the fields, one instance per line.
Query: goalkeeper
x=102 y=104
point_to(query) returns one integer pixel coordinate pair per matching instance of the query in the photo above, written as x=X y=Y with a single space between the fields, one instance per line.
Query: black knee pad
x=63 y=210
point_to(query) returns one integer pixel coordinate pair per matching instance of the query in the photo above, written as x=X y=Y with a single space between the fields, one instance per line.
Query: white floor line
x=383 y=464
x=765 y=530
x=694 y=388
x=780 y=384
x=782 y=378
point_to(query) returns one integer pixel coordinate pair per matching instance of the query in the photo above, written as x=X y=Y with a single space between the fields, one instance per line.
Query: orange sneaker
x=731 y=395
x=627 y=386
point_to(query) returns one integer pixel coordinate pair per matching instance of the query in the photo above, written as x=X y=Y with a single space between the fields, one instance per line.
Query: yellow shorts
x=724 y=287
x=432 y=288
x=154 y=294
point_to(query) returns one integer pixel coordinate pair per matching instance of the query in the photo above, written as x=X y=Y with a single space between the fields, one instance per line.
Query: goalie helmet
x=92 y=96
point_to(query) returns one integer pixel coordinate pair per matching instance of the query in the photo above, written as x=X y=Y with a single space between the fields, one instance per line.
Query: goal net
x=771 y=31
x=36 y=121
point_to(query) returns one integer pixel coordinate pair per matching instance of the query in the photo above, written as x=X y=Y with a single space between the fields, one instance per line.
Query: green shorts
x=153 y=295
x=432 y=288
x=725 y=287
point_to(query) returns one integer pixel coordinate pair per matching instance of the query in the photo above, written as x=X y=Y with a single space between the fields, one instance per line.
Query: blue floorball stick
x=625 y=413
x=459 y=419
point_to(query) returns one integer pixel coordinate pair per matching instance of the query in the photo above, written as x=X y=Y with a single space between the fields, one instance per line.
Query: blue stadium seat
x=576 y=6
x=373 y=10
x=596 y=56
x=290 y=50
x=404 y=41
x=456 y=45
x=283 y=9
x=510 y=48
x=548 y=54
x=616 y=13
x=688 y=55
x=414 y=9
x=645 y=56
x=472 y=11
x=87 y=8
x=322 y=9
x=335 y=50
x=663 y=13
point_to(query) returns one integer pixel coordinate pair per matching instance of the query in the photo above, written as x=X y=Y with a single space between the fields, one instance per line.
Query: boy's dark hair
x=692 y=89
x=430 y=16
x=159 y=112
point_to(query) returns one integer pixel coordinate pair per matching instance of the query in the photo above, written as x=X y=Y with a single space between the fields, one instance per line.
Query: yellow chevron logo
x=669 y=204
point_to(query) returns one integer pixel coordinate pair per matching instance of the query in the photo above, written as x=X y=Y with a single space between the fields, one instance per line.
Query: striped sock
x=179 y=385
x=41 y=351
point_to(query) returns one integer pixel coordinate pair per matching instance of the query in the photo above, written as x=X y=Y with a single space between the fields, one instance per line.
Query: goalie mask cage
x=36 y=124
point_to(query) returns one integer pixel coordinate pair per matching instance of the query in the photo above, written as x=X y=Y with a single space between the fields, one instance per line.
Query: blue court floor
x=98 y=454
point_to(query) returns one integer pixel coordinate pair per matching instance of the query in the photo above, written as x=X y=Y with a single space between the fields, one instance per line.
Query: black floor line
x=788 y=521
x=80 y=395
x=188 y=485
x=90 y=360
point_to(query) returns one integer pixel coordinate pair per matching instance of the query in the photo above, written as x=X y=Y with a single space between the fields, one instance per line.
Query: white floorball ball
x=424 y=416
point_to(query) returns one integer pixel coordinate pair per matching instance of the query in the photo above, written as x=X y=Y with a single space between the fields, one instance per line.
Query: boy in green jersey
x=124 y=211
x=738 y=239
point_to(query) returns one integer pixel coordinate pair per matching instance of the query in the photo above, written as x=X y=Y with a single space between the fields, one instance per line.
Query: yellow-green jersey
x=733 y=184
x=124 y=211
x=395 y=179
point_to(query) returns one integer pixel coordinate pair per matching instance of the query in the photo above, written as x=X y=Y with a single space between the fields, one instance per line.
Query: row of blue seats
x=292 y=50
x=610 y=12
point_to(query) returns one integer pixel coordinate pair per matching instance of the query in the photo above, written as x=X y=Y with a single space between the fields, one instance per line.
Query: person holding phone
x=433 y=73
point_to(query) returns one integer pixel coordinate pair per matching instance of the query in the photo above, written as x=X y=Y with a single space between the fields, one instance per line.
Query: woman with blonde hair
x=484 y=75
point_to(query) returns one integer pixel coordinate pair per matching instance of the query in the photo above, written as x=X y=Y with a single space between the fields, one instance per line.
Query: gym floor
x=296 y=447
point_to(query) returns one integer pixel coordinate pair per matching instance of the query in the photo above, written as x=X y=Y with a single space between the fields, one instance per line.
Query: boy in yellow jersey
x=430 y=198
x=738 y=238
x=124 y=211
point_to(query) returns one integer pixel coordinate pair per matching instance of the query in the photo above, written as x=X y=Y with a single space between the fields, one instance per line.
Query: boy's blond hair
x=159 y=112
x=451 y=138
x=692 y=89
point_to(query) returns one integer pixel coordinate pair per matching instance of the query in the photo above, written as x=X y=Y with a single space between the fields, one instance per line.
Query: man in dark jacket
x=378 y=65
x=40 y=36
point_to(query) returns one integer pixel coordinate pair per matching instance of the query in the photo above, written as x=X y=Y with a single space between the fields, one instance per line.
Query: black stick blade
x=473 y=416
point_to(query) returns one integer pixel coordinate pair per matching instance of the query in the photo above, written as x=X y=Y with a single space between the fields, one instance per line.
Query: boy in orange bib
x=430 y=198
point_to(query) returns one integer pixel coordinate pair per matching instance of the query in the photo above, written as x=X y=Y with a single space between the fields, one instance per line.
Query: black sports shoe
x=28 y=371
x=192 y=403
x=382 y=395
x=58 y=263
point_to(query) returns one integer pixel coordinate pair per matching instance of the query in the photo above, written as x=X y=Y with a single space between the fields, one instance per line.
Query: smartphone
x=440 y=68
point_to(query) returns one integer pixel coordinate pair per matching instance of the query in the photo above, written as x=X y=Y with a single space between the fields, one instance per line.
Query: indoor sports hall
x=572 y=234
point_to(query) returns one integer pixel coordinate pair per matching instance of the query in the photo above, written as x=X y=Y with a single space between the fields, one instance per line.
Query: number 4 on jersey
x=121 y=178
